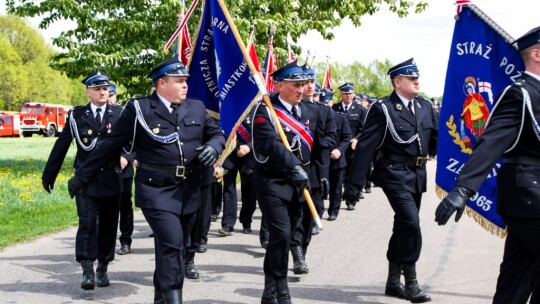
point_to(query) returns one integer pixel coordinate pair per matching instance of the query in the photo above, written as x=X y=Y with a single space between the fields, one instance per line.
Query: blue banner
x=219 y=74
x=481 y=64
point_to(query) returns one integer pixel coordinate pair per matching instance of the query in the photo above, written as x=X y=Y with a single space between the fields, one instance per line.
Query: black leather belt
x=279 y=173
x=523 y=160
x=178 y=171
x=111 y=165
x=418 y=161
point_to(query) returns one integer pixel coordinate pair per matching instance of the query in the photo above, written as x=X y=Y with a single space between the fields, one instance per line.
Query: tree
x=125 y=38
x=27 y=77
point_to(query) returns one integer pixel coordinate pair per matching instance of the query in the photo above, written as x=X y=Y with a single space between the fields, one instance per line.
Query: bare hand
x=354 y=141
x=243 y=150
x=335 y=154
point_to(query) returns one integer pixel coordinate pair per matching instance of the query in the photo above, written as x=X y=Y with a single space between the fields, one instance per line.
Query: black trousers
x=202 y=226
x=280 y=215
x=406 y=240
x=171 y=233
x=98 y=224
x=264 y=234
x=249 y=198
x=519 y=275
x=336 y=190
x=230 y=199
x=126 y=212
x=216 y=190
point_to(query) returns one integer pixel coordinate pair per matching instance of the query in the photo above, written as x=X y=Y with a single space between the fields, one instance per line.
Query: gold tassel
x=482 y=221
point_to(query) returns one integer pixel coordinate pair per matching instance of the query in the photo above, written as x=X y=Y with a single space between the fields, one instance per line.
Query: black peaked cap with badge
x=530 y=38
x=169 y=67
x=290 y=72
x=96 y=79
x=407 y=68
x=346 y=88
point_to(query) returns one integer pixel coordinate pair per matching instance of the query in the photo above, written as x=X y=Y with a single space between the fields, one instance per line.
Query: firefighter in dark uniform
x=126 y=205
x=173 y=136
x=321 y=124
x=512 y=132
x=402 y=129
x=281 y=174
x=356 y=116
x=247 y=183
x=337 y=156
x=88 y=125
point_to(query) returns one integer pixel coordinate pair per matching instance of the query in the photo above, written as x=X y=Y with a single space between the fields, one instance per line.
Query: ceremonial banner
x=327 y=78
x=219 y=74
x=185 y=44
x=482 y=63
x=270 y=65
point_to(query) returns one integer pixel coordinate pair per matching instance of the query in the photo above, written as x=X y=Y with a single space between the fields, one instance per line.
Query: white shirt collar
x=289 y=106
x=404 y=100
x=165 y=102
x=537 y=77
x=93 y=107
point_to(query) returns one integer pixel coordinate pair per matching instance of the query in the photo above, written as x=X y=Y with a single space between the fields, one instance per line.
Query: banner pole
x=267 y=102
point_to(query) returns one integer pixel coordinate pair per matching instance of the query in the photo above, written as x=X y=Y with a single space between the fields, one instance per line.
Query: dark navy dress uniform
x=511 y=133
x=337 y=166
x=355 y=115
x=322 y=126
x=168 y=178
x=102 y=193
x=403 y=141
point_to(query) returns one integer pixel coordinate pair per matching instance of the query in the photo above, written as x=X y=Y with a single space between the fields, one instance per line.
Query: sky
x=426 y=36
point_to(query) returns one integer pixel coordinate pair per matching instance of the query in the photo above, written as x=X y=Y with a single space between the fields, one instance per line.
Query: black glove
x=75 y=184
x=48 y=186
x=455 y=200
x=299 y=177
x=325 y=187
x=207 y=155
x=352 y=192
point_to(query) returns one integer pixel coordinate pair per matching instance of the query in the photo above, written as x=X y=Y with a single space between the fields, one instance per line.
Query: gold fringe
x=477 y=217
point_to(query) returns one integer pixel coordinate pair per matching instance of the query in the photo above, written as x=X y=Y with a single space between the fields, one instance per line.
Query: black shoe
x=124 y=249
x=190 y=270
x=332 y=218
x=350 y=206
x=395 y=291
x=202 y=248
x=314 y=230
x=367 y=189
x=299 y=266
x=151 y=235
x=264 y=244
x=102 y=280
x=173 y=296
x=225 y=232
x=247 y=230
x=89 y=277
x=361 y=196
x=213 y=218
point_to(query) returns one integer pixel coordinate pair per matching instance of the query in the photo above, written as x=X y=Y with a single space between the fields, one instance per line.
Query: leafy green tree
x=12 y=82
x=125 y=38
x=27 y=77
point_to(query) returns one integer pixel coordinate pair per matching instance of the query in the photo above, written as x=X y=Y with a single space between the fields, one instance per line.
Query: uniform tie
x=410 y=106
x=294 y=112
x=174 y=108
x=346 y=108
x=98 y=117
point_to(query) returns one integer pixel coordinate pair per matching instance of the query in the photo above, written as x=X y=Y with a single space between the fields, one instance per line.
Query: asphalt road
x=347 y=261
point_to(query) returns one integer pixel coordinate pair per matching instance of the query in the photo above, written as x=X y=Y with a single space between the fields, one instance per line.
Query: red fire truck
x=42 y=118
x=10 y=123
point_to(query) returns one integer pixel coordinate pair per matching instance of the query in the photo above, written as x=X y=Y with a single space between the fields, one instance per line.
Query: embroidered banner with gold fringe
x=482 y=63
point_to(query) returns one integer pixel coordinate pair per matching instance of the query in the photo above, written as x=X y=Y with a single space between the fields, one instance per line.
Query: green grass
x=26 y=210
